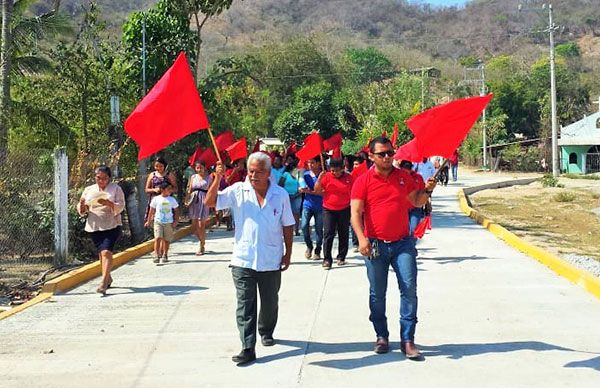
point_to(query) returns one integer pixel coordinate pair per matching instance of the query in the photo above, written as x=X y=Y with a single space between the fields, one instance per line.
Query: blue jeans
x=454 y=169
x=415 y=215
x=307 y=214
x=401 y=255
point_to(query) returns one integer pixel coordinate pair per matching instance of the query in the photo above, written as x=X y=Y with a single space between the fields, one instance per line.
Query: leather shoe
x=245 y=356
x=267 y=340
x=410 y=350
x=382 y=345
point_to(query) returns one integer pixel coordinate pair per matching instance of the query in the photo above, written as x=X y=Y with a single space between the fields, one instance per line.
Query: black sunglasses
x=384 y=153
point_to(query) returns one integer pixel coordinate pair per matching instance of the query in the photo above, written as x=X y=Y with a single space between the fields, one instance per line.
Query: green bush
x=521 y=159
x=548 y=180
x=564 y=196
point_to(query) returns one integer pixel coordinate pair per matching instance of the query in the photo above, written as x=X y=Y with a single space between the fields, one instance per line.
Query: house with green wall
x=580 y=146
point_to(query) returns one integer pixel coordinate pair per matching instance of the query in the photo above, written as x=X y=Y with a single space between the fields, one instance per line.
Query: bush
x=548 y=180
x=521 y=159
x=564 y=196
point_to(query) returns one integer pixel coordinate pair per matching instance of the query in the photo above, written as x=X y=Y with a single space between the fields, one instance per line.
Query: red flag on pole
x=333 y=142
x=337 y=152
x=209 y=157
x=195 y=156
x=441 y=129
x=224 y=140
x=313 y=146
x=238 y=150
x=422 y=227
x=361 y=169
x=395 y=135
x=409 y=151
x=169 y=112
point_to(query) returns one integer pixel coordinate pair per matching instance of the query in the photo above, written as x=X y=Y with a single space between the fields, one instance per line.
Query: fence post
x=61 y=206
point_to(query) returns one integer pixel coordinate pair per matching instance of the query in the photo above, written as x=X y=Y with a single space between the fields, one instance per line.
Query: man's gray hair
x=260 y=157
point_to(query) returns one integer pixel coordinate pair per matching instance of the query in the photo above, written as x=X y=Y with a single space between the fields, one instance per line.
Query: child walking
x=164 y=212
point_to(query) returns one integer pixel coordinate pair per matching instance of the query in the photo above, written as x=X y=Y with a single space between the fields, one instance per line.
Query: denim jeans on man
x=401 y=255
x=307 y=214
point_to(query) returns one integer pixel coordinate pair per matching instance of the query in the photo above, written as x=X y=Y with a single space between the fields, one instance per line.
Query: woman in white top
x=103 y=203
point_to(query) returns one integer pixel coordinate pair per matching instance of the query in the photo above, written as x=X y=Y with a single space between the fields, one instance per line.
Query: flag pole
x=214 y=143
x=322 y=162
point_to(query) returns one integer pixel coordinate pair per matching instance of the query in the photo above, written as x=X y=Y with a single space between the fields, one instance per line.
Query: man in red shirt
x=380 y=220
x=336 y=186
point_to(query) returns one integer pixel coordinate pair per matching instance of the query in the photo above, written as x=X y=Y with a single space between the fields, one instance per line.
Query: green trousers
x=247 y=283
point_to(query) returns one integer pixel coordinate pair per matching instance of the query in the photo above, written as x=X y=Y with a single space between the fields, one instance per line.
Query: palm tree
x=21 y=34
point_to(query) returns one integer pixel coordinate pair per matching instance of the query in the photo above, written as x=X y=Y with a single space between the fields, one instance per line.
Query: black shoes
x=246 y=356
x=267 y=340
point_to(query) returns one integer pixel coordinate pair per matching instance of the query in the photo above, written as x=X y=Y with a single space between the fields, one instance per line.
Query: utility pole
x=551 y=28
x=143 y=164
x=555 y=161
x=480 y=80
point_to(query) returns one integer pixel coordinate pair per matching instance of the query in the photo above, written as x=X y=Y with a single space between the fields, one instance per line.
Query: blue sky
x=445 y=2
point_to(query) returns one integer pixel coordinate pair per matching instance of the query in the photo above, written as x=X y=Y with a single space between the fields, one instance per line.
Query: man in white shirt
x=264 y=224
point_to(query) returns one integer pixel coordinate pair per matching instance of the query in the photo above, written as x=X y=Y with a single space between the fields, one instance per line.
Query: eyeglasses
x=383 y=154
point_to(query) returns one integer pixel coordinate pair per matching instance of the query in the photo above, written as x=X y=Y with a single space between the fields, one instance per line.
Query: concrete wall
x=580 y=151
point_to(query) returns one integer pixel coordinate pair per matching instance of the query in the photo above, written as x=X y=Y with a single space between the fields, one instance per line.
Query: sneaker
x=382 y=345
x=156 y=260
x=165 y=259
x=162 y=261
x=316 y=256
x=308 y=253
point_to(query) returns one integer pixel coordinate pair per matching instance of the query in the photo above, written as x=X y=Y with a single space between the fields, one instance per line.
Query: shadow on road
x=451 y=351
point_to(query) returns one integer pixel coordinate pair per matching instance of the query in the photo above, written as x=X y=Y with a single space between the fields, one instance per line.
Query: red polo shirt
x=336 y=191
x=385 y=204
x=419 y=182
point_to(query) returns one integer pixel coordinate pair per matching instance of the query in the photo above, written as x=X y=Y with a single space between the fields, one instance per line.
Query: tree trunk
x=5 y=62
x=136 y=225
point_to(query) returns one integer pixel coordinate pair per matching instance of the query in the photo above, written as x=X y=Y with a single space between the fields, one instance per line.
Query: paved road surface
x=489 y=317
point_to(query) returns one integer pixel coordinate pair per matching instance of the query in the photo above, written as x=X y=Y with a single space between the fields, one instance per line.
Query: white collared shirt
x=258 y=231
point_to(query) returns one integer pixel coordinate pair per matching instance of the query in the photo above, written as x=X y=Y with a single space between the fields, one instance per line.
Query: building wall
x=580 y=151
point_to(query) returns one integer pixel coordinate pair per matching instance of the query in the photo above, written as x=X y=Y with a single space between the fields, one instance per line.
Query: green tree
x=199 y=12
x=312 y=109
x=167 y=34
x=368 y=65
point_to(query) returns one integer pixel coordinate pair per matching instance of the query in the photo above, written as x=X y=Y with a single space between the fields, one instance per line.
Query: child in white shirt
x=164 y=212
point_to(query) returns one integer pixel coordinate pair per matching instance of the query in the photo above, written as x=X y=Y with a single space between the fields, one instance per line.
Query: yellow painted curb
x=81 y=275
x=555 y=263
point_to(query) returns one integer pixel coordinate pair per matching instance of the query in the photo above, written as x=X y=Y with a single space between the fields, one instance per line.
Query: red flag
x=395 y=135
x=420 y=229
x=195 y=156
x=169 y=112
x=256 y=145
x=409 y=151
x=361 y=169
x=337 y=152
x=224 y=140
x=238 y=150
x=209 y=157
x=441 y=129
x=313 y=146
x=333 y=142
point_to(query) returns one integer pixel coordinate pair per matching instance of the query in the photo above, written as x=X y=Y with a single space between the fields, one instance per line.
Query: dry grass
x=533 y=213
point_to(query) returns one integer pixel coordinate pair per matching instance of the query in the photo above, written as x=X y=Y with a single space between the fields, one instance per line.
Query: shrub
x=564 y=196
x=548 y=180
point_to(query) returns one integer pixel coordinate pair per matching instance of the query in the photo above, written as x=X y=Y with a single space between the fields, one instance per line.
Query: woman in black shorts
x=103 y=203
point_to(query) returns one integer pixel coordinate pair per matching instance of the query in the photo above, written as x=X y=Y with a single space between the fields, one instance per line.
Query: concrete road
x=489 y=317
